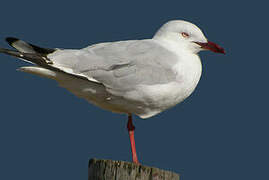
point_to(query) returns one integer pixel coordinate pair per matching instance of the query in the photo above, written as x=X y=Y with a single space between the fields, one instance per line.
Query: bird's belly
x=150 y=100
x=144 y=101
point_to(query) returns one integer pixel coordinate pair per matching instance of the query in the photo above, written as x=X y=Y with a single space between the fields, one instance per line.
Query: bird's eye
x=185 y=35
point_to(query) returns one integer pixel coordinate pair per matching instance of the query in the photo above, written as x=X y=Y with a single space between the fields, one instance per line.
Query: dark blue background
x=219 y=132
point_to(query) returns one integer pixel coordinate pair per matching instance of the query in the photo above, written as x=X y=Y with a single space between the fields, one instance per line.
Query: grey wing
x=119 y=65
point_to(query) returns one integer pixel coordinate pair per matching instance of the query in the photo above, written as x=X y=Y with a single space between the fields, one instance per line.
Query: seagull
x=140 y=77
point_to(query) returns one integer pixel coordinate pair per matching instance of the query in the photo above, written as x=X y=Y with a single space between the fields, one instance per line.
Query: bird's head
x=188 y=36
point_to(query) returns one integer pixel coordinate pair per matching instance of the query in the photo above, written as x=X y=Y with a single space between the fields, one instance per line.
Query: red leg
x=131 y=129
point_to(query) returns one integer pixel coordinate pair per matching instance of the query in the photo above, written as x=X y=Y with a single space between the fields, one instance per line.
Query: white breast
x=158 y=98
x=189 y=71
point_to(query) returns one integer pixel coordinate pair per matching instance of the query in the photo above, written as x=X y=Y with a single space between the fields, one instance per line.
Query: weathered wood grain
x=121 y=170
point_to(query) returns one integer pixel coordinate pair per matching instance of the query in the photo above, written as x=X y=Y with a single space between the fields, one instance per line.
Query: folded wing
x=119 y=65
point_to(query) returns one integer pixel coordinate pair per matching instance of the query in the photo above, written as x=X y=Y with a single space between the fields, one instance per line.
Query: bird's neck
x=188 y=67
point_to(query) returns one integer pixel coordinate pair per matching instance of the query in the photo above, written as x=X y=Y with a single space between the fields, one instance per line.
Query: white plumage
x=142 y=77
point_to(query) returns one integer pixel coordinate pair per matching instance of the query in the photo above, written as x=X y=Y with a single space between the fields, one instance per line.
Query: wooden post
x=120 y=170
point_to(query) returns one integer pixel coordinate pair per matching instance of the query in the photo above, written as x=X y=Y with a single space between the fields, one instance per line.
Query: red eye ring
x=185 y=35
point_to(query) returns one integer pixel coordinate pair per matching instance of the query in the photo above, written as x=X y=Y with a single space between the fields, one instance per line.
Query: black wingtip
x=11 y=40
x=25 y=46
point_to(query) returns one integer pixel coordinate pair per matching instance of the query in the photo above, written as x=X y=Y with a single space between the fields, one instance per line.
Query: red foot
x=131 y=129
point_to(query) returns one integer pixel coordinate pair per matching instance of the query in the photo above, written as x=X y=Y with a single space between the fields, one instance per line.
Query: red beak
x=211 y=46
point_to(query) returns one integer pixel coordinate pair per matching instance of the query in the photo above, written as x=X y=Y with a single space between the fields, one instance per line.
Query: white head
x=187 y=36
